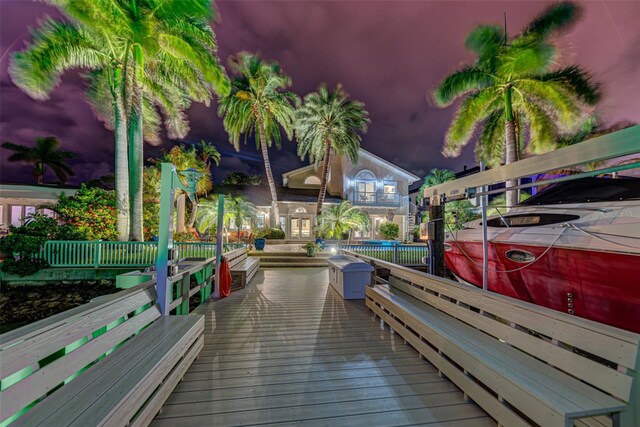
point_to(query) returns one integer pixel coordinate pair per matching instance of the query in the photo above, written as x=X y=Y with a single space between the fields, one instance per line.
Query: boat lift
x=617 y=144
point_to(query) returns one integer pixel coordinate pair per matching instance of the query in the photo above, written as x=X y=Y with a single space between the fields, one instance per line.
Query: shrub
x=92 y=211
x=22 y=245
x=268 y=233
x=185 y=236
x=389 y=230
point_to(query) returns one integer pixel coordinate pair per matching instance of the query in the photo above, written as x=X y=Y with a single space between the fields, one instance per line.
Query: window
x=16 y=216
x=300 y=210
x=365 y=186
x=28 y=210
x=260 y=220
x=390 y=187
x=49 y=213
x=283 y=223
x=312 y=180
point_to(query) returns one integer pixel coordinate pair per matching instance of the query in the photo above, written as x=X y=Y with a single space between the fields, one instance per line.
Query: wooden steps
x=290 y=259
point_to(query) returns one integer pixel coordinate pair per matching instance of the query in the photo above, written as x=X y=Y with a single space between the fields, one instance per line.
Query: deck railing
x=100 y=254
x=397 y=254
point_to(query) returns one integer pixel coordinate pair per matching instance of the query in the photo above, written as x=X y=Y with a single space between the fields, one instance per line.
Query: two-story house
x=373 y=184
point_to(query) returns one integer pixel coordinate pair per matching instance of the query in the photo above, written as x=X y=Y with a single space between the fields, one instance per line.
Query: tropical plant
x=269 y=233
x=143 y=54
x=241 y=178
x=258 y=106
x=329 y=121
x=435 y=177
x=337 y=220
x=513 y=87
x=21 y=247
x=198 y=157
x=389 y=230
x=45 y=154
x=241 y=210
x=92 y=211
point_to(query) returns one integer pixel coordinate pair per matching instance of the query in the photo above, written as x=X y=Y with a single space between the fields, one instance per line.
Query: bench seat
x=127 y=381
x=545 y=395
x=244 y=272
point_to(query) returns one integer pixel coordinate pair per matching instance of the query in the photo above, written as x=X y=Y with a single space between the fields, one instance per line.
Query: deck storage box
x=349 y=276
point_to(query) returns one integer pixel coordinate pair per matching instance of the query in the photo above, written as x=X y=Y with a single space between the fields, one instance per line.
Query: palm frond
x=556 y=17
x=461 y=82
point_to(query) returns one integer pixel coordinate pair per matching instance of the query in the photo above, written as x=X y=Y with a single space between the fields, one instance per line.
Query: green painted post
x=96 y=253
x=165 y=237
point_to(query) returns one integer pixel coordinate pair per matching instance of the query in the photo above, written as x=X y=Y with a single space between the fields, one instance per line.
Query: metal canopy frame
x=617 y=144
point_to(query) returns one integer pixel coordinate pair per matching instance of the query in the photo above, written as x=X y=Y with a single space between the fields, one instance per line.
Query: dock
x=289 y=350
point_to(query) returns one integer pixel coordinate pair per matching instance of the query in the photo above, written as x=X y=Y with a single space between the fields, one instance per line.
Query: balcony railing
x=360 y=198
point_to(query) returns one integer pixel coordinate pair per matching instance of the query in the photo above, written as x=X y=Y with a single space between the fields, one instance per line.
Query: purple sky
x=388 y=54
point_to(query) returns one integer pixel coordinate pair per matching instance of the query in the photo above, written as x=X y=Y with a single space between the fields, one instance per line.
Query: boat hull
x=597 y=285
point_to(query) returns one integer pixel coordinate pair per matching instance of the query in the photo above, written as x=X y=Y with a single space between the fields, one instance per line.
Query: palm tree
x=200 y=159
x=45 y=153
x=241 y=210
x=259 y=106
x=336 y=220
x=329 y=121
x=145 y=54
x=511 y=88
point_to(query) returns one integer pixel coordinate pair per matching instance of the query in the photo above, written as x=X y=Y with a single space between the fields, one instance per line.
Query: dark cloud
x=388 y=54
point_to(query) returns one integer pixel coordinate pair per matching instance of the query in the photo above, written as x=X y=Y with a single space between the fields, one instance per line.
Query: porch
x=288 y=349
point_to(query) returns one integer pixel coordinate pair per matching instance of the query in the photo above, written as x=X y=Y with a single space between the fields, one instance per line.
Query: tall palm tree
x=45 y=154
x=259 y=106
x=329 y=121
x=147 y=54
x=336 y=220
x=511 y=88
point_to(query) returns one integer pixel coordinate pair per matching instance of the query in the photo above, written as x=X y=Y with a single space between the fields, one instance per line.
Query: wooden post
x=436 y=239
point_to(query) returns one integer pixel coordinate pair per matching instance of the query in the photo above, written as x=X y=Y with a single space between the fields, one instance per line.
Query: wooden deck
x=288 y=350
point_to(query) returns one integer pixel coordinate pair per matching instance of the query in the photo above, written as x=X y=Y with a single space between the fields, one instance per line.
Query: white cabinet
x=349 y=276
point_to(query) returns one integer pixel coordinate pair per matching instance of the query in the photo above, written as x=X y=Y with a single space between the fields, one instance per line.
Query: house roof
x=260 y=195
x=369 y=156
x=372 y=157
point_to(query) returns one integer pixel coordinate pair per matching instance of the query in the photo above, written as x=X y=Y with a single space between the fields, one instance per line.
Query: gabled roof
x=372 y=157
x=364 y=153
x=260 y=195
x=286 y=175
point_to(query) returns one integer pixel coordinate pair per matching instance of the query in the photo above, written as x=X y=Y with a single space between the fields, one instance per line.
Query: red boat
x=575 y=247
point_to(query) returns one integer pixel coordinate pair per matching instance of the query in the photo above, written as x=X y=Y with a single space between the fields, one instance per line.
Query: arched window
x=365 y=175
x=312 y=180
x=365 y=187
x=300 y=210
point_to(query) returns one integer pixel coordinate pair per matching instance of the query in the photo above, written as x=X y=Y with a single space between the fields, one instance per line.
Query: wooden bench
x=111 y=362
x=242 y=267
x=523 y=364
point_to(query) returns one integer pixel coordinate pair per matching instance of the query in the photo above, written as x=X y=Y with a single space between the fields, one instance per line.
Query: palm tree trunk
x=511 y=148
x=325 y=174
x=136 y=149
x=194 y=212
x=272 y=184
x=38 y=171
x=121 y=159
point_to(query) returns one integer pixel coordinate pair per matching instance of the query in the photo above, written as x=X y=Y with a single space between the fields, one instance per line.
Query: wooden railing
x=101 y=254
x=397 y=254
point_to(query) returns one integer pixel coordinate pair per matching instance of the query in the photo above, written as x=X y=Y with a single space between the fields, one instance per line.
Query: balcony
x=360 y=198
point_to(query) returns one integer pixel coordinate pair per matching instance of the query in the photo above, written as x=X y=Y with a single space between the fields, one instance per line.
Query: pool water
x=381 y=242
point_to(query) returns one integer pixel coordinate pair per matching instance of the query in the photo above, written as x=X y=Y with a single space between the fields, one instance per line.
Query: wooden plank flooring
x=288 y=350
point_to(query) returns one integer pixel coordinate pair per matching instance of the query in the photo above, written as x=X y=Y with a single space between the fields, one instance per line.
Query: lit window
x=29 y=210
x=312 y=180
x=283 y=222
x=301 y=210
x=390 y=187
x=49 y=213
x=260 y=220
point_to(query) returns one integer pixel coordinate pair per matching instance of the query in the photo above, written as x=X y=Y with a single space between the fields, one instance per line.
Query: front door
x=300 y=228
